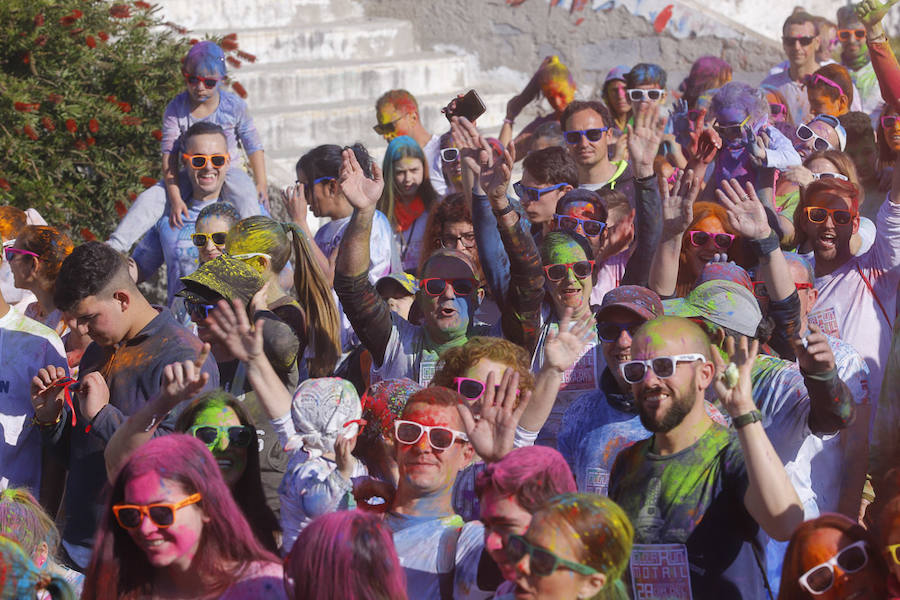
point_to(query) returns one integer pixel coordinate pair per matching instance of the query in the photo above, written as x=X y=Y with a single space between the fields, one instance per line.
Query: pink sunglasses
x=10 y=252
x=812 y=79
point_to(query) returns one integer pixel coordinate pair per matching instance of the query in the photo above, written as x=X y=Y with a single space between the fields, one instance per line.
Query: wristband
x=746 y=419
x=509 y=121
x=767 y=245
x=35 y=421
x=827 y=376
x=503 y=211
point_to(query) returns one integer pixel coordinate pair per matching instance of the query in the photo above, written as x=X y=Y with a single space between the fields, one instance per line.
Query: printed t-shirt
x=25 y=347
x=696 y=497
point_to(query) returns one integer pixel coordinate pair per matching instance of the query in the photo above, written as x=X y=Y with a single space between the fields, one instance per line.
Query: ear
x=856 y=223
x=813 y=297
x=717 y=337
x=566 y=189
x=592 y=585
x=123 y=298
x=705 y=374
x=41 y=553
x=844 y=103
x=468 y=456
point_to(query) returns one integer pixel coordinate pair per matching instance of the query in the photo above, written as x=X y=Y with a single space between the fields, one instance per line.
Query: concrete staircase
x=321 y=64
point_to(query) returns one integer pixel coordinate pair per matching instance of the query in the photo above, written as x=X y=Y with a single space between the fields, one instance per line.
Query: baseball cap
x=725 y=271
x=403 y=279
x=452 y=253
x=616 y=73
x=724 y=303
x=643 y=302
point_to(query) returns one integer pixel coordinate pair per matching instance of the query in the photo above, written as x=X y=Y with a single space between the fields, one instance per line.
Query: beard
x=669 y=420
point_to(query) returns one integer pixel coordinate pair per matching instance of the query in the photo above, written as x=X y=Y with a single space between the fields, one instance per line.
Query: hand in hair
x=362 y=192
x=93 y=394
x=746 y=214
x=644 y=138
x=871 y=12
x=183 y=380
x=232 y=329
x=492 y=432
x=563 y=348
x=293 y=197
x=678 y=206
x=46 y=398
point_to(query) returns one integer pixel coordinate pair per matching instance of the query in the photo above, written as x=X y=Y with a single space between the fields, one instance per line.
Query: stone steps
x=249 y=14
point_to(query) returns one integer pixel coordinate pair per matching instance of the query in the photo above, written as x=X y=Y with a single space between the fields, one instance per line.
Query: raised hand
x=232 y=329
x=800 y=175
x=814 y=353
x=293 y=197
x=871 y=12
x=678 y=205
x=343 y=454
x=360 y=191
x=758 y=146
x=46 y=398
x=563 y=348
x=737 y=399
x=467 y=138
x=746 y=214
x=708 y=145
x=644 y=138
x=495 y=175
x=184 y=380
x=493 y=430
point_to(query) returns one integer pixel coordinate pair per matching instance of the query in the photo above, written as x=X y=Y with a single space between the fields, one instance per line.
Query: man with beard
x=695 y=483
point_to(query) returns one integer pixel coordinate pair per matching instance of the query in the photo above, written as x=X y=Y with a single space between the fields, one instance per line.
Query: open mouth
x=207 y=178
x=827 y=240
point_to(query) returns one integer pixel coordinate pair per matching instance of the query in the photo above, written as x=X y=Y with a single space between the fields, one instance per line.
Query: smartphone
x=470 y=106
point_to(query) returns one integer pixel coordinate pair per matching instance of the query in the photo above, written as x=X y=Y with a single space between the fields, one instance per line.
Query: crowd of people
x=662 y=364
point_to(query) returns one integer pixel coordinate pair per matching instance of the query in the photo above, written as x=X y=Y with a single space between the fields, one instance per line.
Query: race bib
x=660 y=572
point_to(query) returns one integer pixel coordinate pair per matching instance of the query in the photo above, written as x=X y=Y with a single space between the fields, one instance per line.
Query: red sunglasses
x=208 y=82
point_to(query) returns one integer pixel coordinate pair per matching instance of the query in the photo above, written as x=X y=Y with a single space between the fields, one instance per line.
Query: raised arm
x=677 y=214
x=770 y=497
x=870 y=13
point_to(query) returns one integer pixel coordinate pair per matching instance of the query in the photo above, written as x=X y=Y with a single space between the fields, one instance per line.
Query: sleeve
x=493 y=258
x=524 y=438
x=367 y=312
x=781 y=153
x=245 y=130
x=468 y=575
x=380 y=248
x=284 y=428
x=315 y=489
x=887 y=70
x=148 y=255
x=648 y=231
x=831 y=405
x=170 y=129
x=522 y=323
x=884 y=254
x=786 y=316
x=55 y=353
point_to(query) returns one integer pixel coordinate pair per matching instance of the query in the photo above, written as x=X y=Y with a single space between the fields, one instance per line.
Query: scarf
x=406 y=214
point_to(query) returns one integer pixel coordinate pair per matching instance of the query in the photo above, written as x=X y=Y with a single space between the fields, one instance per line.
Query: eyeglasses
x=610 y=332
x=451 y=241
x=816 y=77
x=557 y=272
x=541 y=561
x=827 y=175
x=818 y=214
x=198 y=161
x=636 y=95
x=892 y=550
x=440 y=438
x=218 y=238
x=776 y=109
x=450 y=155
x=469 y=388
x=804 y=40
x=208 y=82
x=889 y=121
x=760 y=290
x=238 y=436
x=722 y=241
x=198 y=311
x=532 y=194
x=460 y=286
x=249 y=255
x=130 y=516
x=733 y=130
x=845 y=35
x=634 y=371
x=850 y=559
x=590 y=227
x=593 y=135
x=11 y=252
x=386 y=128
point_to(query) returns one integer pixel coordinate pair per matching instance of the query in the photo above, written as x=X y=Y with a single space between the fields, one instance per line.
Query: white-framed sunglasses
x=850 y=559
x=639 y=95
x=634 y=371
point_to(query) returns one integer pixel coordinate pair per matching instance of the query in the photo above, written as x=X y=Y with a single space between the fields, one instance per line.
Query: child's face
x=197 y=88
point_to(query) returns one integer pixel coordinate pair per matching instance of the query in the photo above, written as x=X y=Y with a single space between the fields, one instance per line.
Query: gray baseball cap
x=724 y=303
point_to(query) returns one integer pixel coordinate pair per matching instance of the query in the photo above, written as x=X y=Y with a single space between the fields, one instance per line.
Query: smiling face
x=891 y=134
x=698 y=256
x=448 y=315
x=824 y=131
x=408 y=176
x=231 y=459
x=584 y=211
x=587 y=153
x=206 y=183
x=165 y=547
x=619 y=351
x=823 y=544
x=502 y=516
x=854 y=49
x=617 y=98
x=211 y=224
x=647 y=103
x=569 y=292
x=830 y=241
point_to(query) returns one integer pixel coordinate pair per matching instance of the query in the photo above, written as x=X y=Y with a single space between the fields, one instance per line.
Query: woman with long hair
x=221 y=422
x=407 y=198
x=171 y=528
x=267 y=245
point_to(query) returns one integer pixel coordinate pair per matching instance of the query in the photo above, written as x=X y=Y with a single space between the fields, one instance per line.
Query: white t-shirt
x=795 y=92
x=25 y=347
x=609 y=275
x=432 y=152
x=848 y=310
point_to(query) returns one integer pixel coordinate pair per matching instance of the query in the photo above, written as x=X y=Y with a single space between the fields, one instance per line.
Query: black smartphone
x=470 y=106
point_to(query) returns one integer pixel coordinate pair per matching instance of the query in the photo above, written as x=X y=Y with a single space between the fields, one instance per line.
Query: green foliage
x=83 y=86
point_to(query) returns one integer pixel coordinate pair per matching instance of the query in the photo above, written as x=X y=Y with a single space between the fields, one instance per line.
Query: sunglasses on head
x=827 y=175
x=805 y=40
x=557 y=272
x=541 y=562
x=776 y=109
x=386 y=128
x=452 y=241
x=198 y=311
x=460 y=286
x=733 y=130
x=440 y=438
x=818 y=214
x=634 y=371
x=471 y=389
x=845 y=35
x=239 y=436
x=817 y=77
x=218 y=238
x=819 y=143
x=760 y=290
x=130 y=516
x=820 y=578
x=532 y=194
x=638 y=95
x=722 y=241
x=449 y=155
x=208 y=82
x=10 y=253
x=610 y=332
x=573 y=136
x=198 y=161
x=590 y=227
x=889 y=121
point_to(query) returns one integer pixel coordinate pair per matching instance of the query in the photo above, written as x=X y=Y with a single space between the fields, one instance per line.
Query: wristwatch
x=747 y=418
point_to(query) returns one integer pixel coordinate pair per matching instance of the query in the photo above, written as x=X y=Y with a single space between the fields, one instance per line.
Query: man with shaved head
x=696 y=483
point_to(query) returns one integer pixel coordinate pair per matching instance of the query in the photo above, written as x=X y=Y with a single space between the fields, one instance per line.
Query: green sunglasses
x=542 y=562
